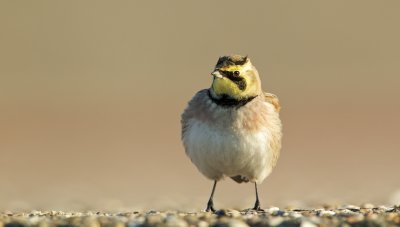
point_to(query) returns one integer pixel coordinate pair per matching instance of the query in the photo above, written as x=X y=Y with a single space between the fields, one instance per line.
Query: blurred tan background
x=91 y=94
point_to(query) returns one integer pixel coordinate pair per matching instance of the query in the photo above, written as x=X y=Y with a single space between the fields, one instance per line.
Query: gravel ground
x=349 y=215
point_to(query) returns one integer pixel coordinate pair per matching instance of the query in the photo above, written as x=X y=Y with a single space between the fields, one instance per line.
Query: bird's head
x=235 y=78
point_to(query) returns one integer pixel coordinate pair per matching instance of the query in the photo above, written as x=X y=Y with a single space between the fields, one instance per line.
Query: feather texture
x=242 y=143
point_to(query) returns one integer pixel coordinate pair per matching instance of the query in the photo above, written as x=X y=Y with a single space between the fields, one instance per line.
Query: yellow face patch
x=225 y=86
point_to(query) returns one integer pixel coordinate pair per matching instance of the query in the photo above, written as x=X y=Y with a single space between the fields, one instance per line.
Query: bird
x=233 y=129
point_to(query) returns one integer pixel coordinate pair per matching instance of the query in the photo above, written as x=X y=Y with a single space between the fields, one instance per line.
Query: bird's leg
x=257 y=204
x=210 y=204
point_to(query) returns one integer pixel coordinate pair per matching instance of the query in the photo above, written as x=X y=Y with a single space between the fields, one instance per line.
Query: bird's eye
x=236 y=73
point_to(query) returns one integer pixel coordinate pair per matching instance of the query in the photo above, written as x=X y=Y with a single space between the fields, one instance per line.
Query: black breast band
x=226 y=101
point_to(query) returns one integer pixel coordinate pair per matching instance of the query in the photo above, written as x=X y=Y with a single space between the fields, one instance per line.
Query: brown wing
x=273 y=99
x=276 y=141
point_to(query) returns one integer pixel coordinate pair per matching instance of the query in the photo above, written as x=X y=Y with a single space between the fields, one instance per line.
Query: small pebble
x=202 y=224
x=346 y=212
x=236 y=223
x=295 y=215
x=174 y=221
x=352 y=207
x=273 y=209
x=355 y=218
x=154 y=219
x=307 y=224
x=276 y=221
x=326 y=213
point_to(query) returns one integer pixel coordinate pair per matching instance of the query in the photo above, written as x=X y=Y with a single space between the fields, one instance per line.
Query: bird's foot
x=257 y=207
x=210 y=207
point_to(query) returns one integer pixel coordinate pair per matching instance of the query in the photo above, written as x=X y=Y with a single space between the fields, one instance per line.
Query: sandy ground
x=348 y=215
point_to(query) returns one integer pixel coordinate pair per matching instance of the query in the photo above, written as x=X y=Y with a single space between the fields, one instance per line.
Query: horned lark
x=233 y=128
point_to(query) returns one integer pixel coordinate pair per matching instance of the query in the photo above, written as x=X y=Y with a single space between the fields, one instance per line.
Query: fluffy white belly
x=225 y=152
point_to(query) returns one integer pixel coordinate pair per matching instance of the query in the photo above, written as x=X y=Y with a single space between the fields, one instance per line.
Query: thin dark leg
x=210 y=204
x=257 y=204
